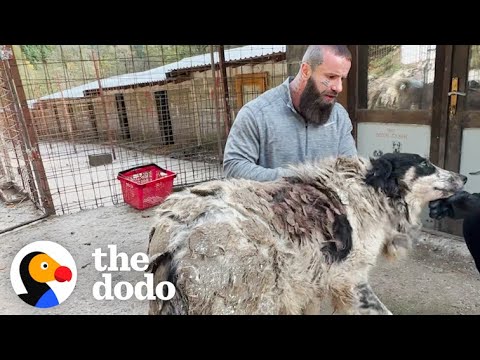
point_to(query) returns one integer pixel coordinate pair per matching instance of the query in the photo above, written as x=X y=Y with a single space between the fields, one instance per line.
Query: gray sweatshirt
x=268 y=134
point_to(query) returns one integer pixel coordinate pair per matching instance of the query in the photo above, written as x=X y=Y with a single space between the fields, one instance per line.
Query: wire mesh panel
x=400 y=77
x=99 y=110
x=19 y=200
x=473 y=88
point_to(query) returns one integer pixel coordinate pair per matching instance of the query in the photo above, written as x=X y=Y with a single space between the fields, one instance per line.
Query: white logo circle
x=43 y=274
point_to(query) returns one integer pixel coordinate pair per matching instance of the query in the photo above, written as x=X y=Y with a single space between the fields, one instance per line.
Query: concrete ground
x=437 y=278
x=15 y=207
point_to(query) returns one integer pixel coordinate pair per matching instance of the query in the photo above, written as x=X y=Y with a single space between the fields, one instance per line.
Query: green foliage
x=383 y=60
x=36 y=54
x=475 y=57
x=139 y=51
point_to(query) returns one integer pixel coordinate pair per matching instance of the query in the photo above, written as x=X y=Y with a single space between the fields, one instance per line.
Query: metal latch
x=454 y=93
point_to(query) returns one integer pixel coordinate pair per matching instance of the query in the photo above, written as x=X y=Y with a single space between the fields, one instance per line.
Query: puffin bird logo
x=43 y=274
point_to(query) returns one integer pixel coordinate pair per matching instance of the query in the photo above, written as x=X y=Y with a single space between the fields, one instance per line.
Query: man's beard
x=312 y=107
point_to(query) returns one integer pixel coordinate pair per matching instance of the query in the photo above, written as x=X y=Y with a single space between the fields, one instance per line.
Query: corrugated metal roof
x=240 y=53
x=159 y=73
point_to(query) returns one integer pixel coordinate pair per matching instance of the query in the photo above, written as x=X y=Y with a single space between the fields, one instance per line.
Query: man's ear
x=380 y=177
x=306 y=70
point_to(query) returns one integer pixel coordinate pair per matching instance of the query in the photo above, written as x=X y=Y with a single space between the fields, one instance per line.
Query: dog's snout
x=463 y=178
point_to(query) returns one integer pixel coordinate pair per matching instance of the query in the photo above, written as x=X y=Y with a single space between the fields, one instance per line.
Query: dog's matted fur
x=246 y=247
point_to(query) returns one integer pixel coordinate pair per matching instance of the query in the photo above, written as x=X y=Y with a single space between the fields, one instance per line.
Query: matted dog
x=281 y=247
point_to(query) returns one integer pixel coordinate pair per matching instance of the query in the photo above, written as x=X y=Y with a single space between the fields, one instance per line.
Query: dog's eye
x=424 y=164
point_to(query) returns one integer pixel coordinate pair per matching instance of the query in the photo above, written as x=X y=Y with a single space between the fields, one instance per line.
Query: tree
x=36 y=54
x=139 y=51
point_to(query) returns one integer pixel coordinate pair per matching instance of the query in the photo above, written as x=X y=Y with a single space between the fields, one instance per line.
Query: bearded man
x=297 y=121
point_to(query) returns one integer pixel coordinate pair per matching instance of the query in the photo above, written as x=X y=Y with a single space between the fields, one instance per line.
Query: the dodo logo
x=43 y=274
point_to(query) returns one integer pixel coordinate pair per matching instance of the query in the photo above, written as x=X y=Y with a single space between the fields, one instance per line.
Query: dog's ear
x=380 y=177
x=381 y=168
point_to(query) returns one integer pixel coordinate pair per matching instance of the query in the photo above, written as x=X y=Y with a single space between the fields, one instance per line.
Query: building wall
x=196 y=115
x=66 y=119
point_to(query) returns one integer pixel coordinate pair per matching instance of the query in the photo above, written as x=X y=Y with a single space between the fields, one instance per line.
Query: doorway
x=421 y=99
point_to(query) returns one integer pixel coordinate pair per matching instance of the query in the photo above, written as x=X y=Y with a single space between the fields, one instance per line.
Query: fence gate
x=24 y=193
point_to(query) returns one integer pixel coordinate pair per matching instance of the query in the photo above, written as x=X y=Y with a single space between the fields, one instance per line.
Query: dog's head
x=399 y=174
x=397 y=146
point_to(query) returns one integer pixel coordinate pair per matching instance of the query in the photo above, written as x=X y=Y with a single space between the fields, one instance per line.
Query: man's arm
x=243 y=148
x=347 y=145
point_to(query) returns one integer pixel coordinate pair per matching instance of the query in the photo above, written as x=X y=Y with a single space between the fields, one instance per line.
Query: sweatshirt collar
x=286 y=83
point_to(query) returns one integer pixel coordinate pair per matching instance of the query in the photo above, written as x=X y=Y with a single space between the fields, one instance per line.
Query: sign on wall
x=376 y=139
x=470 y=161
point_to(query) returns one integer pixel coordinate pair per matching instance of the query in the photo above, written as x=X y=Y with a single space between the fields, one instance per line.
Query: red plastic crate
x=146 y=186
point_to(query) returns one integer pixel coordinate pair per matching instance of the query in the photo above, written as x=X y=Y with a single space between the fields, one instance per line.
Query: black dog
x=462 y=205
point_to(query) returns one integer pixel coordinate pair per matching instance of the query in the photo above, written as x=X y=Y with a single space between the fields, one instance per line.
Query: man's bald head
x=315 y=53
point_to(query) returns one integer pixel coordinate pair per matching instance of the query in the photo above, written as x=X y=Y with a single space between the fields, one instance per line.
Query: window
x=164 y=120
x=122 y=116
x=249 y=86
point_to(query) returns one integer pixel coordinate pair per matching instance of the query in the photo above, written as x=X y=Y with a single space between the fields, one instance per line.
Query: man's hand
x=457 y=206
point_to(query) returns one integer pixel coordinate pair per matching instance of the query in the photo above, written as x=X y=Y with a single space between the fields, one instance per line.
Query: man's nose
x=337 y=86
